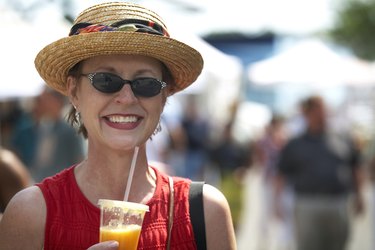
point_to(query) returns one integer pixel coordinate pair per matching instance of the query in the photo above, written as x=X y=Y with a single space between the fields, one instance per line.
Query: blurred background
x=262 y=58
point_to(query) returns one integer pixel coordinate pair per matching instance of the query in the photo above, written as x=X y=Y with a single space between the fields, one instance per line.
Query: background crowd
x=189 y=145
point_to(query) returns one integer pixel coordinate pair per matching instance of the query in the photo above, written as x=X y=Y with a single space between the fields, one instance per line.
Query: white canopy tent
x=19 y=77
x=310 y=67
x=21 y=42
x=311 y=62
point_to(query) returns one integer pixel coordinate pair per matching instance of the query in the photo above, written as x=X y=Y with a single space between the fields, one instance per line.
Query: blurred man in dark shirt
x=323 y=168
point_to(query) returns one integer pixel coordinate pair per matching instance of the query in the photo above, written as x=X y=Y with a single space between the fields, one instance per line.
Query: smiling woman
x=118 y=67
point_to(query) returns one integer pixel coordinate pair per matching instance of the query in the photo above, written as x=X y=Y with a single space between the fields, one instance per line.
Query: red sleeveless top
x=73 y=221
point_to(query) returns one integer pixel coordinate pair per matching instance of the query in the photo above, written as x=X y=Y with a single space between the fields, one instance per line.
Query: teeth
x=122 y=119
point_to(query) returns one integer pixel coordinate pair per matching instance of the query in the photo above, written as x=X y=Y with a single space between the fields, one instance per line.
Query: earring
x=78 y=118
x=157 y=129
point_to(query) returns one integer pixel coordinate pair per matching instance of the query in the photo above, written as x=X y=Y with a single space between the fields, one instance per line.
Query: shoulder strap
x=171 y=212
x=197 y=214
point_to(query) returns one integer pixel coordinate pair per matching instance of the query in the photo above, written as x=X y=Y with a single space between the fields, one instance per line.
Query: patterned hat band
x=129 y=25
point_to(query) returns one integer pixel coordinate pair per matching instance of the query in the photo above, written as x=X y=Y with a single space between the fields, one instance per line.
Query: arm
x=22 y=224
x=13 y=177
x=218 y=220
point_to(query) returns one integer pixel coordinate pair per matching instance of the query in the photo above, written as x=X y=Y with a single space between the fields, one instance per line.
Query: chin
x=123 y=144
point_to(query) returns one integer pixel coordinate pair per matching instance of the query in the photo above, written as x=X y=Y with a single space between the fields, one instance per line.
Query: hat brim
x=55 y=60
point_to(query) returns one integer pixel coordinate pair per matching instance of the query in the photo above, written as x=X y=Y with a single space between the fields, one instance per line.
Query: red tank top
x=73 y=221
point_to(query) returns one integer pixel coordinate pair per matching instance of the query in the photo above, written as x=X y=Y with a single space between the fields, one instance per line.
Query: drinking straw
x=131 y=173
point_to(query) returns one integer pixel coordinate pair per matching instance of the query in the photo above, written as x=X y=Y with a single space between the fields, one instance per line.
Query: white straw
x=131 y=173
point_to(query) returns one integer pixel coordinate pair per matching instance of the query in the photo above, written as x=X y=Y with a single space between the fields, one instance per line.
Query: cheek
x=89 y=107
x=155 y=110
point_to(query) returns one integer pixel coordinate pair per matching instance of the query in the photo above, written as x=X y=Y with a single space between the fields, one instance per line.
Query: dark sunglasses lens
x=146 y=87
x=107 y=83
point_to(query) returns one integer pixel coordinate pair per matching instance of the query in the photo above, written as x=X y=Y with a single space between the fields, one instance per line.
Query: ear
x=72 y=89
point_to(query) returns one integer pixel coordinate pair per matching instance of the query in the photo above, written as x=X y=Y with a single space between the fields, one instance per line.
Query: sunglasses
x=110 y=83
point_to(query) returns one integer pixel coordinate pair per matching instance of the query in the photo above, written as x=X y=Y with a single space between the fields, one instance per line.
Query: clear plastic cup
x=121 y=221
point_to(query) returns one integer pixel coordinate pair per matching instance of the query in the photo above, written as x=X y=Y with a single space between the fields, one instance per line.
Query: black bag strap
x=197 y=214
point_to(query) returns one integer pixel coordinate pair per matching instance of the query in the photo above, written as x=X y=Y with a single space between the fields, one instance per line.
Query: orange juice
x=127 y=236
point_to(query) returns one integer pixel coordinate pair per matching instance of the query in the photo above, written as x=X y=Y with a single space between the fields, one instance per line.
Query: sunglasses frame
x=91 y=76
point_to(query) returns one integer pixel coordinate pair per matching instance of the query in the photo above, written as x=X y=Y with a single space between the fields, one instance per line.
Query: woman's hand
x=107 y=245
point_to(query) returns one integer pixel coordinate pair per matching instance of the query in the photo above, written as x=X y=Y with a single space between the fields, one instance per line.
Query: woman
x=109 y=43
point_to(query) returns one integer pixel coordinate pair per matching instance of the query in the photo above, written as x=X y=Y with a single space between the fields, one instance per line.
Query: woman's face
x=118 y=120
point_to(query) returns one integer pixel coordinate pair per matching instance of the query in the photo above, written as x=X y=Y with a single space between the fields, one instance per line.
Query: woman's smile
x=126 y=122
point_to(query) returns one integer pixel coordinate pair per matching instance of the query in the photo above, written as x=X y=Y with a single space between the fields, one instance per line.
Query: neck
x=105 y=175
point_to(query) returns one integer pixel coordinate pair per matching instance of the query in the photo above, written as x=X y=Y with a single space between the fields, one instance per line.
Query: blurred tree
x=354 y=27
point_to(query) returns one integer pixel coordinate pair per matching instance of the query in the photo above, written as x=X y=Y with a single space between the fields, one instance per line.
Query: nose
x=125 y=95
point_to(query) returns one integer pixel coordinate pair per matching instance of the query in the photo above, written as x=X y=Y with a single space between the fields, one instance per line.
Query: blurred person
x=266 y=156
x=108 y=43
x=227 y=154
x=23 y=136
x=12 y=116
x=269 y=147
x=157 y=149
x=176 y=147
x=197 y=134
x=58 y=144
x=46 y=142
x=257 y=214
x=323 y=168
x=14 y=177
x=168 y=145
x=230 y=159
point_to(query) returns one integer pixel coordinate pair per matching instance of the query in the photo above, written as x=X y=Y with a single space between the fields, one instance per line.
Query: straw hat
x=118 y=28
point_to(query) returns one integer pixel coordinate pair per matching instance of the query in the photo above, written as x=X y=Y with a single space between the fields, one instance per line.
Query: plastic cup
x=121 y=221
